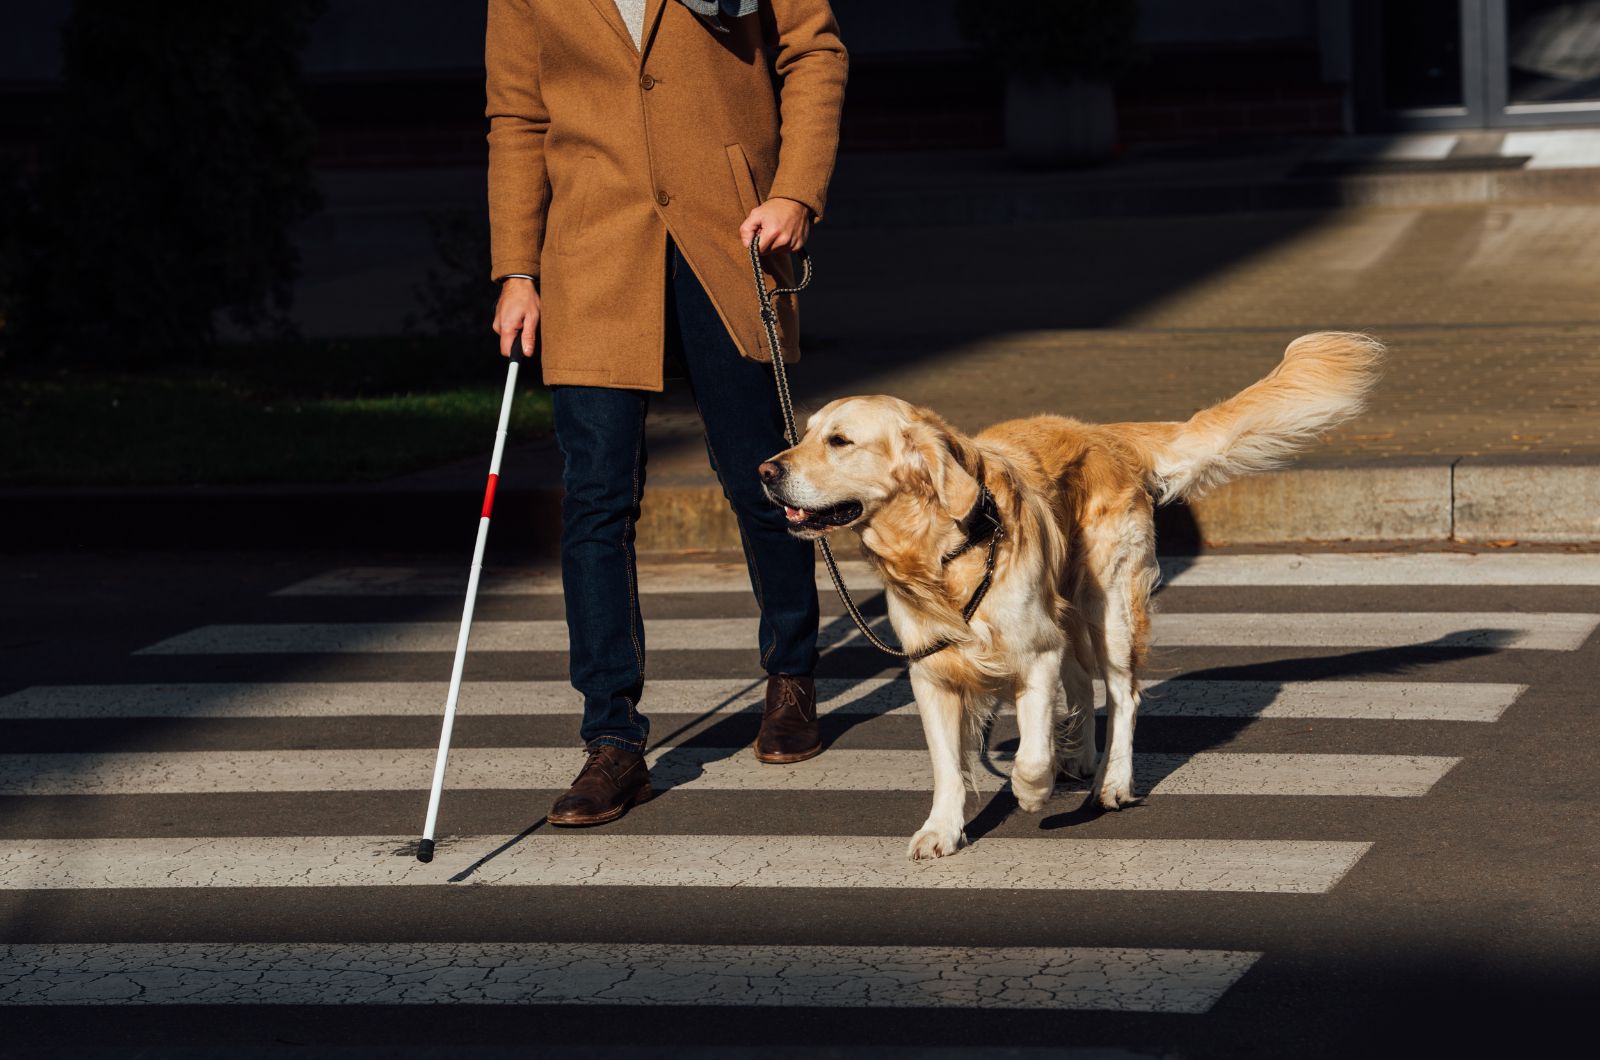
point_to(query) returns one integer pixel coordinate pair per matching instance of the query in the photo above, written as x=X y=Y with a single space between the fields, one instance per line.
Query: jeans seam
x=634 y=618
x=755 y=583
x=744 y=537
x=633 y=714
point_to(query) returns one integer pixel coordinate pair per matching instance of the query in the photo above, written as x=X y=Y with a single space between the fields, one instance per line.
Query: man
x=634 y=150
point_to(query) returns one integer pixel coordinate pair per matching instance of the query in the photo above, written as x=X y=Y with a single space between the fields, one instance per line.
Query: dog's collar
x=980 y=524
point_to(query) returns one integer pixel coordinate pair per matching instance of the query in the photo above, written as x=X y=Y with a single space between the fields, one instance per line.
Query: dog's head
x=860 y=454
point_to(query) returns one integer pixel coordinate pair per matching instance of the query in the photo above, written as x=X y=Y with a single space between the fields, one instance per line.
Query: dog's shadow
x=1265 y=683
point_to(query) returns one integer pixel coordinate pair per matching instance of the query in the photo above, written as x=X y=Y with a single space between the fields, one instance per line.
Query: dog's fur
x=1076 y=566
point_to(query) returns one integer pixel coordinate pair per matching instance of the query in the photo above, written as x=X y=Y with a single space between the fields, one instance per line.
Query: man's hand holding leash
x=784 y=224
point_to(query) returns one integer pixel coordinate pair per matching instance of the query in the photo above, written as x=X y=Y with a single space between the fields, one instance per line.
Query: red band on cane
x=488 y=496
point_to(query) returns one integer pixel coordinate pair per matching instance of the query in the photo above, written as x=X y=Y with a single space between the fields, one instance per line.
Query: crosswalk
x=259 y=792
x=1374 y=700
x=803 y=862
x=1107 y=979
x=1548 y=632
x=1278 y=569
x=687 y=768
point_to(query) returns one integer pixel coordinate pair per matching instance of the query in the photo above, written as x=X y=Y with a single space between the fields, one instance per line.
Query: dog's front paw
x=1032 y=802
x=1032 y=787
x=1113 y=787
x=933 y=843
x=1115 y=798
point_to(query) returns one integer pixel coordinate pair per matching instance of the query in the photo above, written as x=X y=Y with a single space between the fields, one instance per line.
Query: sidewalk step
x=1464 y=498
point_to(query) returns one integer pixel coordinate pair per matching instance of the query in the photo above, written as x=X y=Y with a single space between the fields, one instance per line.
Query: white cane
x=425 y=848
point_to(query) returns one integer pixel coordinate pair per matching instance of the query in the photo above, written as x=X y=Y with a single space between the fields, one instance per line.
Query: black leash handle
x=769 y=318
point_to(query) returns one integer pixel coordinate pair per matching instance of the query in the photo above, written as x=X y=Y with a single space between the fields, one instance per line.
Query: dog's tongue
x=795 y=515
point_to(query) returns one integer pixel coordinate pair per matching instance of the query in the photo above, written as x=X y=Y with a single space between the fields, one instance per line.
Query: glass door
x=1476 y=64
x=1548 y=59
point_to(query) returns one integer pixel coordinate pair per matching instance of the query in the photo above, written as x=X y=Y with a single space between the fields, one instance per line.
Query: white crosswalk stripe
x=1225 y=863
x=1502 y=630
x=1080 y=978
x=697 y=768
x=564 y=859
x=653 y=578
x=1372 y=700
x=1296 y=569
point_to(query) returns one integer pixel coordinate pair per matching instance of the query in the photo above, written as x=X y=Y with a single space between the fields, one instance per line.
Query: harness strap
x=983 y=510
x=979 y=524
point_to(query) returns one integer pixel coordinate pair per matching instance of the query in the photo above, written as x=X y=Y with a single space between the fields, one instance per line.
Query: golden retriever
x=1074 y=566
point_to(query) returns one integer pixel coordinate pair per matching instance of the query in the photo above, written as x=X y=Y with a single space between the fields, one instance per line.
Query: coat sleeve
x=812 y=66
x=519 y=186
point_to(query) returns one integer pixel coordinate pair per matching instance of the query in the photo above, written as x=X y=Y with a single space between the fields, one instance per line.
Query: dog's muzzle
x=816 y=520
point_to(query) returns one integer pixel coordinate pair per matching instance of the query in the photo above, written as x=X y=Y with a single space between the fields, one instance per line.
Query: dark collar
x=979 y=524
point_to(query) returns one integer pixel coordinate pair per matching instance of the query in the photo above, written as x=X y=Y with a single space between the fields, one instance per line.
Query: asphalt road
x=1371 y=826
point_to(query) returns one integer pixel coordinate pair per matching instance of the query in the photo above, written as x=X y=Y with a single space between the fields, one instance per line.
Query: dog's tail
x=1323 y=380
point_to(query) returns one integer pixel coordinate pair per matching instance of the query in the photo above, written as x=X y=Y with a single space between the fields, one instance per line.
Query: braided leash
x=769 y=319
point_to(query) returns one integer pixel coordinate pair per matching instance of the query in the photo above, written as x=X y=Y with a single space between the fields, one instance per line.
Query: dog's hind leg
x=942 y=721
x=1076 y=746
x=1113 y=781
x=1039 y=699
x=1125 y=636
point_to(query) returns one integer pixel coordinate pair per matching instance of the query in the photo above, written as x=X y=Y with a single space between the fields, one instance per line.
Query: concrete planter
x=1054 y=122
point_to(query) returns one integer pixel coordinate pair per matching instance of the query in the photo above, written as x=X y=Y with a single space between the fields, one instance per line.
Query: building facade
x=399 y=82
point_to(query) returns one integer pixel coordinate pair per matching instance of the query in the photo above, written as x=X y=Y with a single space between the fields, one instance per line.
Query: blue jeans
x=601 y=435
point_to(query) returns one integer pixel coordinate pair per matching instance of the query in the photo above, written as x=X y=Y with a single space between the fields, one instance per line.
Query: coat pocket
x=744 y=184
x=567 y=221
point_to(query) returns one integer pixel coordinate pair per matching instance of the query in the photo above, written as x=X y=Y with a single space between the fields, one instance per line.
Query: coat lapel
x=652 y=19
x=608 y=11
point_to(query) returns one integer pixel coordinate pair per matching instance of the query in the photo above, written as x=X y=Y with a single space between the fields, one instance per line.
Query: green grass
x=307 y=412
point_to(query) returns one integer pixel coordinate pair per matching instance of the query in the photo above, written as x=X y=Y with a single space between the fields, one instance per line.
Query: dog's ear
x=934 y=450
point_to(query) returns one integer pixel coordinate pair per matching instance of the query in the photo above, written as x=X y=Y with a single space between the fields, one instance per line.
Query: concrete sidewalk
x=371 y=246
x=1404 y=169
x=1486 y=426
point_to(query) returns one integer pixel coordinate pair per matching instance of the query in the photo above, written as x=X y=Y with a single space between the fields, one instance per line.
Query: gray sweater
x=633 y=14
x=710 y=12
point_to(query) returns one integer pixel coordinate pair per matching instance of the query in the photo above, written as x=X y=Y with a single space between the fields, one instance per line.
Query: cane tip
x=425 y=851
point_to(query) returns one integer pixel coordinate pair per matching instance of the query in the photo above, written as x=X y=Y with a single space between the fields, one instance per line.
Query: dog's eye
x=838 y=441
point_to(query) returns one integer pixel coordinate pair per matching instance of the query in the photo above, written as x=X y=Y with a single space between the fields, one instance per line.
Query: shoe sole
x=644 y=794
x=772 y=759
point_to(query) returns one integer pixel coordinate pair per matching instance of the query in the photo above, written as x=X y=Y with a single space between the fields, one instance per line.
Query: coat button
x=663 y=198
x=647 y=82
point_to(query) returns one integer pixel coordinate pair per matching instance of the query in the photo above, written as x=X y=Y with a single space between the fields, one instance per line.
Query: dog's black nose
x=770 y=472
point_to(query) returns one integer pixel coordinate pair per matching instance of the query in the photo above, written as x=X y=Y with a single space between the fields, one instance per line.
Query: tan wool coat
x=599 y=150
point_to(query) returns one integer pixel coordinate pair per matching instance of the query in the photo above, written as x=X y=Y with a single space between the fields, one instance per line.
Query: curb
x=1527 y=500
x=1448 y=498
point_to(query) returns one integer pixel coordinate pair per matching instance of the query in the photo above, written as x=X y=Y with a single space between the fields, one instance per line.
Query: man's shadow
x=738 y=717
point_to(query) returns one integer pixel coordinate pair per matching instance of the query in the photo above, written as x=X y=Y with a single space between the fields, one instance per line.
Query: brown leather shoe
x=611 y=781
x=789 y=721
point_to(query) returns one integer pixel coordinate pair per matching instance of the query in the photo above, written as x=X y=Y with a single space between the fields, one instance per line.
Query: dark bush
x=456 y=298
x=16 y=204
x=179 y=163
